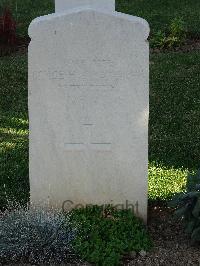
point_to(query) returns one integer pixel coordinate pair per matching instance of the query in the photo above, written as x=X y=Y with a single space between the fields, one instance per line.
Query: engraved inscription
x=85 y=73
x=87 y=144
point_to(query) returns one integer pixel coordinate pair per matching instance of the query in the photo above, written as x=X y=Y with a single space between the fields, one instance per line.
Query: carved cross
x=87 y=144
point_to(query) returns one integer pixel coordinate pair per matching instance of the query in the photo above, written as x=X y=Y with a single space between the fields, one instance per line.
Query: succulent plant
x=187 y=206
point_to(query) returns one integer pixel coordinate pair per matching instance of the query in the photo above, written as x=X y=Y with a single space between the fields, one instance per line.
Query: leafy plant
x=188 y=206
x=35 y=236
x=159 y=40
x=104 y=235
x=7 y=28
x=177 y=28
x=175 y=36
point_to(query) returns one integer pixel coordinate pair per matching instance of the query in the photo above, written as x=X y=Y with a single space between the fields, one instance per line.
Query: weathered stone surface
x=88 y=109
x=63 y=5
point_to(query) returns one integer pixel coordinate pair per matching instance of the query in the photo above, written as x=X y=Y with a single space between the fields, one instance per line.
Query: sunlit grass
x=13 y=131
x=165 y=181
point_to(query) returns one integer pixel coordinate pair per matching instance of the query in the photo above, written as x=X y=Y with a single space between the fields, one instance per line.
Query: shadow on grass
x=14 y=183
x=174 y=138
x=174 y=126
x=14 y=186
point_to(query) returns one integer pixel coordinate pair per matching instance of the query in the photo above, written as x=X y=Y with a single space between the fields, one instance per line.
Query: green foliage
x=106 y=234
x=159 y=39
x=188 y=206
x=159 y=13
x=175 y=37
x=35 y=236
x=193 y=182
x=177 y=28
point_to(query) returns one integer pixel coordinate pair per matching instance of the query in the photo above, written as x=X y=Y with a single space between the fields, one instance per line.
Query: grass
x=158 y=13
x=174 y=140
x=24 y=11
x=14 y=183
x=174 y=109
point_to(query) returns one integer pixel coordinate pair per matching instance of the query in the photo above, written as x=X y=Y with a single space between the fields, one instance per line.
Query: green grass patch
x=14 y=185
x=165 y=181
x=174 y=139
x=105 y=235
x=159 y=13
x=174 y=109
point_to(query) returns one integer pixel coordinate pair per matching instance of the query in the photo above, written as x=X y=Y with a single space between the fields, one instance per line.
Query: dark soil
x=171 y=245
x=188 y=46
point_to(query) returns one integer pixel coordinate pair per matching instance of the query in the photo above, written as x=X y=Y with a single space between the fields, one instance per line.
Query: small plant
x=105 y=235
x=177 y=28
x=35 y=236
x=7 y=28
x=188 y=206
x=159 y=40
x=175 y=37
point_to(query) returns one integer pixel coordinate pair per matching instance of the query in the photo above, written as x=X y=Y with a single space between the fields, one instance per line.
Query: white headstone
x=88 y=109
x=63 y=5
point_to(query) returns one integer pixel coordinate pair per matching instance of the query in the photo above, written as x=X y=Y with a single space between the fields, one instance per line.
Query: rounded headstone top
x=141 y=23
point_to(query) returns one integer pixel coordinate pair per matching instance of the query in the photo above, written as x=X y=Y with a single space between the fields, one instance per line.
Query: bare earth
x=171 y=245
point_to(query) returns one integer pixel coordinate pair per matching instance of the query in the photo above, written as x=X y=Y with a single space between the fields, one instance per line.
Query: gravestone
x=63 y=5
x=88 y=109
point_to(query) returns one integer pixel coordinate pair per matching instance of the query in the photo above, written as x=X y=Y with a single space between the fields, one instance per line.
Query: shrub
x=188 y=206
x=35 y=236
x=104 y=236
x=175 y=37
x=158 y=40
x=7 y=28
